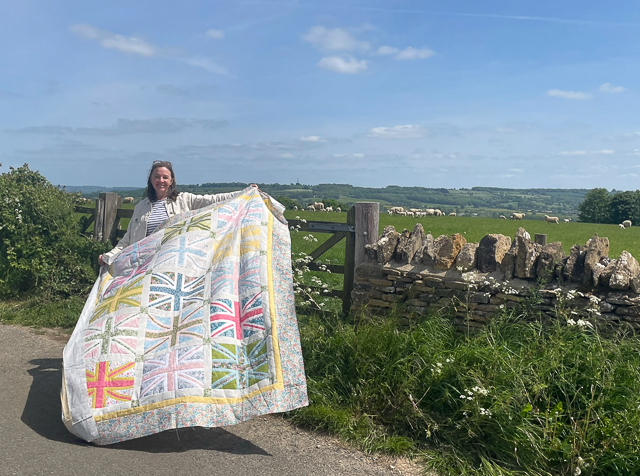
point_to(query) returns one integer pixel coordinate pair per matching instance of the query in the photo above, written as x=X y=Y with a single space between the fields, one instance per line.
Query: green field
x=474 y=228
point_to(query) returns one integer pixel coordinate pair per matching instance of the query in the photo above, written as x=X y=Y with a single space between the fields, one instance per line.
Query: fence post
x=540 y=238
x=365 y=217
x=98 y=219
x=111 y=203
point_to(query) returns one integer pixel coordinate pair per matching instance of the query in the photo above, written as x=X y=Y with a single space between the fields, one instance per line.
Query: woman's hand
x=101 y=261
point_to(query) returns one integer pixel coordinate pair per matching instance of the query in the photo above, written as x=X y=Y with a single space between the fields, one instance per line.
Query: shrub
x=41 y=250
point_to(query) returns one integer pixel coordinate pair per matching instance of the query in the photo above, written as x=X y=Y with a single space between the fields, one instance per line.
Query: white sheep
x=127 y=200
x=328 y=209
x=318 y=205
x=311 y=208
x=410 y=213
x=517 y=216
x=437 y=212
x=567 y=220
x=621 y=226
x=452 y=214
x=338 y=209
x=627 y=223
x=502 y=217
x=549 y=219
x=295 y=207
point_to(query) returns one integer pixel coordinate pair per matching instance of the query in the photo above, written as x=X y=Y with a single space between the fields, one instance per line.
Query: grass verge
x=35 y=312
x=515 y=399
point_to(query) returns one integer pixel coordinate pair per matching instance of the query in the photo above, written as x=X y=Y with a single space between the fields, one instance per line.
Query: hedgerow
x=41 y=250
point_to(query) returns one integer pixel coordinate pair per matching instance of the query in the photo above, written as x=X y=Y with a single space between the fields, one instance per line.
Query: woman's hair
x=150 y=192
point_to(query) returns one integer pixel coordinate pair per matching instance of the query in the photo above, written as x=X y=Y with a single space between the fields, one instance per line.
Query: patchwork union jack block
x=192 y=326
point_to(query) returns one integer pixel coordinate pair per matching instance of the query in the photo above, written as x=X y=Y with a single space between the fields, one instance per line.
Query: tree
x=595 y=208
x=625 y=206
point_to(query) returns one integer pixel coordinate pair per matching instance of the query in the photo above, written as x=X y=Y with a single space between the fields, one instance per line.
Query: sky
x=372 y=93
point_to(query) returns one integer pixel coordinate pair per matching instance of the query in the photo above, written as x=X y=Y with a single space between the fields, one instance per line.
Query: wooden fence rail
x=360 y=229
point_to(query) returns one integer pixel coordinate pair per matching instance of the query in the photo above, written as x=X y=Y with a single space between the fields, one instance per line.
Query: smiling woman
x=161 y=202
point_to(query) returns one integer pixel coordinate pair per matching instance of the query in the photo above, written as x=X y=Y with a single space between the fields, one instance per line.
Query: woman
x=161 y=201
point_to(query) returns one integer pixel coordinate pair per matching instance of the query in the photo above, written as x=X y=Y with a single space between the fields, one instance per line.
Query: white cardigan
x=137 y=228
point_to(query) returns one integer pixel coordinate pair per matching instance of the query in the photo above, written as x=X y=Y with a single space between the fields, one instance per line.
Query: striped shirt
x=158 y=215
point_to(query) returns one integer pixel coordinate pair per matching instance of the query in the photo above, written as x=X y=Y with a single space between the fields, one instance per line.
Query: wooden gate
x=360 y=229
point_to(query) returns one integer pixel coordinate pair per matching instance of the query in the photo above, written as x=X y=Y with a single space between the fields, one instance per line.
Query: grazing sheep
x=621 y=226
x=517 y=216
x=338 y=209
x=395 y=210
x=311 y=208
x=567 y=220
x=452 y=214
x=295 y=207
x=389 y=212
x=430 y=212
x=502 y=217
x=402 y=214
x=437 y=212
x=127 y=200
x=410 y=213
x=318 y=206
x=549 y=219
x=328 y=209
x=627 y=223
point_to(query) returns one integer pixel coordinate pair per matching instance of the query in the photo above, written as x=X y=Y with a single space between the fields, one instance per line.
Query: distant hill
x=94 y=189
x=483 y=201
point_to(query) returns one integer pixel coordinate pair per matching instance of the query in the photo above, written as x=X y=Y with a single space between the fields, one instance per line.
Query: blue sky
x=373 y=93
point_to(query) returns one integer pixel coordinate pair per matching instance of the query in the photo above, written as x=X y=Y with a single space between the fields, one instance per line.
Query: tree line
x=601 y=206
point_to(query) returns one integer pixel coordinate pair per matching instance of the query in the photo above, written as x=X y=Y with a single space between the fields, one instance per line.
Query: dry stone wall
x=417 y=273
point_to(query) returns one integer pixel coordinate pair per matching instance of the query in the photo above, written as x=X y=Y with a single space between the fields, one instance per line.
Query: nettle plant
x=41 y=251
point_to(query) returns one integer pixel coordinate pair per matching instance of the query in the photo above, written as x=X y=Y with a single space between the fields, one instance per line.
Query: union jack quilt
x=193 y=326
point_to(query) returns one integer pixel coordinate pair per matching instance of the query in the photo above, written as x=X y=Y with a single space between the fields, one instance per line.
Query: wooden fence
x=360 y=229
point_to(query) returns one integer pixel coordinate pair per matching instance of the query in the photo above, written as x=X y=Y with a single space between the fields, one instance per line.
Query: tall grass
x=515 y=399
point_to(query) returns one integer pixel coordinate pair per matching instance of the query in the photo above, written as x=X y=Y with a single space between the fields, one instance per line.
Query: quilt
x=193 y=326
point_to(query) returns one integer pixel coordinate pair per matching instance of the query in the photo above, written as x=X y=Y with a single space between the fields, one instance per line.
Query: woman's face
x=161 y=180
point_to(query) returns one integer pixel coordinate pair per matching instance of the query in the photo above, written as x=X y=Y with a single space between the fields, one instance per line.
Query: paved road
x=33 y=440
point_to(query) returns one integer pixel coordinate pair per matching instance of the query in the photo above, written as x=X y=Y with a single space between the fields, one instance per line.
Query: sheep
x=338 y=209
x=430 y=212
x=437 y=212
x=402 y=214
x=517 y=216
x=549 y=219
x=627 y=223
x=410 y=213
x=318 y=206
x=452 y=214
x=621 y=226
x=295 y=207
x=567 y=220
x=395 y=210
x=502 y=217
x=127 y=200
x=328 y=209
x=310 y=208
x=389 y=212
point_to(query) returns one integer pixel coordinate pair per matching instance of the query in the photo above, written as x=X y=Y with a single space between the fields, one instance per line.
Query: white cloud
x=334 y=40
x=568 y=94
x=358 y=155
x=217 y=34
x=287 y=156
x=388 y=50
x=410 y=53
x=130 y=45
x=338 y=64
x=407 y=131
x=206 y=64
x=609 y=88
x=311 y=139
x=338 y=156
x=588 y=152
x=137 y=46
